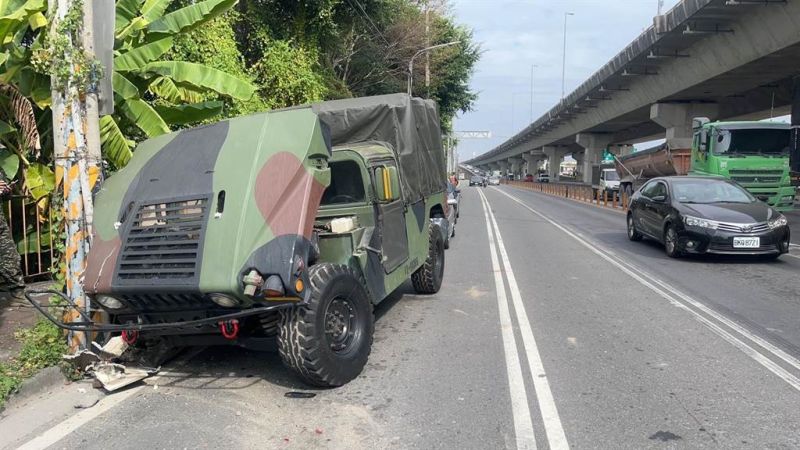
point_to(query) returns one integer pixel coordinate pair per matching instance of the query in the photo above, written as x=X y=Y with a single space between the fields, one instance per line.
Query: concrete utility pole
x=427 y=55
x=564 y=56
x=76 y=135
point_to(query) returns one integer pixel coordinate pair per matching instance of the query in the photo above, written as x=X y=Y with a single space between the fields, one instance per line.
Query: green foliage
x=42 y=346
x=285 y=76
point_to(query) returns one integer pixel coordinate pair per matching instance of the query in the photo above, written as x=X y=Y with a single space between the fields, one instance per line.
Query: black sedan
x=477 y=180
x=706 y=215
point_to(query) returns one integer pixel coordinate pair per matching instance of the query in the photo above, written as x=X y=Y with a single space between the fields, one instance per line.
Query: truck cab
x=754 y=154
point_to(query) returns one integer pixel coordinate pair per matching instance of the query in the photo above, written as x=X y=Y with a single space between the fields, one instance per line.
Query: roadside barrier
x=31 y=226
x=576 y=192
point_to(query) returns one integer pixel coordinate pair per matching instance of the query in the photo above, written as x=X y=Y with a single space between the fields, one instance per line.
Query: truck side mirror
x=387 y=183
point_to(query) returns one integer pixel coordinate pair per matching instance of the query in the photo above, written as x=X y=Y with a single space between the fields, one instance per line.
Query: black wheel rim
x=340 y=325
x=670 y=240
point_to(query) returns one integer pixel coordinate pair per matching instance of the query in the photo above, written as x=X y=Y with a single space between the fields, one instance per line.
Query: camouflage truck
x=288 y=225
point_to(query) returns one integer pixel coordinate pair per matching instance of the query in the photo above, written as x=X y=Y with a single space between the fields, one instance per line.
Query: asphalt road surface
x=551 y=330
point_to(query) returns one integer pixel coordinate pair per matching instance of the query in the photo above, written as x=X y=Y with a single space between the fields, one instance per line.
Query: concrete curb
x=46 y=380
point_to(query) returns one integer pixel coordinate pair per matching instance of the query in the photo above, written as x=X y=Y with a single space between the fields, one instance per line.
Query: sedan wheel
x=671 y=242
x=633 y=233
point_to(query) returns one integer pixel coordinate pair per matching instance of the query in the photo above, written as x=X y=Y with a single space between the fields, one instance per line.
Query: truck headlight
x=109 y=302
x=778 y=222
x=698 y=222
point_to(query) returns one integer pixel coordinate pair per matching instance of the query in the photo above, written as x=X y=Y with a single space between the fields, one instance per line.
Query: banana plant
x=154 y=94
x=24 y=94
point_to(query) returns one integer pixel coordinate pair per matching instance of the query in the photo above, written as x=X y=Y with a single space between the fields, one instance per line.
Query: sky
x=516 y=34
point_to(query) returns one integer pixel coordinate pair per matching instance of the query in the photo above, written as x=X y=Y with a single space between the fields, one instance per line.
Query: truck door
x=392 y=223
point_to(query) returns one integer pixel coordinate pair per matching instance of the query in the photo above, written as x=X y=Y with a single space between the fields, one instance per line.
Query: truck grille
x=166 y=302
x=756 y=176
x=163 y=242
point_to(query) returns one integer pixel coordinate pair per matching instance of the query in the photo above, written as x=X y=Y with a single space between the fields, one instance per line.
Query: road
x=552 y=330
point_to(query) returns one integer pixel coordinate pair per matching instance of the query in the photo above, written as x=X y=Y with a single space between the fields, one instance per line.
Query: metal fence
x=32 y=226
x=577 y=192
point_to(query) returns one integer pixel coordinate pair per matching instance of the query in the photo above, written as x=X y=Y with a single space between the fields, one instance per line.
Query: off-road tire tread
x=298 y=348
x=424 y=279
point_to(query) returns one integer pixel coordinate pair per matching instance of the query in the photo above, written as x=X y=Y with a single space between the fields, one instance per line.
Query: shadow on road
x=233 y=367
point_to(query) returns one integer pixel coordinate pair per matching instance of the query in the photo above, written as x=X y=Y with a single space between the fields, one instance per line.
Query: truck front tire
x=428 y=278
x=328 y=341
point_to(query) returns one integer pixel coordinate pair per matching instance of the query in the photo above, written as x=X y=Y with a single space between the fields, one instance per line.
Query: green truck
x=756 y=155
x=287 y=225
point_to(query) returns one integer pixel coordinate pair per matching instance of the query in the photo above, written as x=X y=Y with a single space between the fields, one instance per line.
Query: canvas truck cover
x=409 y=126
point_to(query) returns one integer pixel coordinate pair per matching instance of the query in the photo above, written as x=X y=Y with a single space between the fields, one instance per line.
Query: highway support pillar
x=676 y=118
x=503 y=168
x=554 y=156
x=516 y=166
x=531 y=161
x=593 y=145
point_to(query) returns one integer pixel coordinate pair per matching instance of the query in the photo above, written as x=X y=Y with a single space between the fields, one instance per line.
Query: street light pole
x=533 y=66
x=424 y=50
x=564 y=56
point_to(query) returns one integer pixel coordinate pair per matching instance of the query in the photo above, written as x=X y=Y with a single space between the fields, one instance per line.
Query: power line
x=366 y=16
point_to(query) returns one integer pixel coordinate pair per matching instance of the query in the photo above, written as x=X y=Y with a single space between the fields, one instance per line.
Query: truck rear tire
x=328 y=341
x=428 y=278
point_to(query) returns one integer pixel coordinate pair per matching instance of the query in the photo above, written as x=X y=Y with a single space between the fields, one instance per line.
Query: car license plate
x=746 y=242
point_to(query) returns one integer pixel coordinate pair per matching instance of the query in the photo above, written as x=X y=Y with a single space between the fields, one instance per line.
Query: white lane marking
x=547 y=405
x=64 y=428
x=664 y=290
x=523 y=426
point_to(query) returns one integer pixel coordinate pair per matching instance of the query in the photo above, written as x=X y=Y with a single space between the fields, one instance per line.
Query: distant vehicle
x=706 y=215
x=543 y=178
x=757 y=155
x=529 y=178
x=476 y=180
x=494 y=181
x=454 y=200
x=605 y=179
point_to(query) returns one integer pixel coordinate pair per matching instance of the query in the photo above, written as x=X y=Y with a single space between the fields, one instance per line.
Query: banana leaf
x=185 y=114
x=201 y=76
x=116 y=147
x=137 y=57
x=144 y=117
x=189 y=17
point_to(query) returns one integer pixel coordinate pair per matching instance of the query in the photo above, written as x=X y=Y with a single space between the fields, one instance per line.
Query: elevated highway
x=723 y=59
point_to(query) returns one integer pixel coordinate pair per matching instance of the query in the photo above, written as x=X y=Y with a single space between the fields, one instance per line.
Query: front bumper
x=87 y=324
x=701 y=241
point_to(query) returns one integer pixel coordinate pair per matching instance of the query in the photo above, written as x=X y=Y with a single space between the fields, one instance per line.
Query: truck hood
x=196 y=208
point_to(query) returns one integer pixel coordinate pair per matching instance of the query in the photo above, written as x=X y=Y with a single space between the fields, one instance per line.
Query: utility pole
x=564 y=57
x=533 y=66
x=427 y=55
x=76 y=135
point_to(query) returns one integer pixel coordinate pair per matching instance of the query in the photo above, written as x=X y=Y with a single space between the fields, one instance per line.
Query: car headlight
x=698 y=222
x=778 y=222
x=109 y=302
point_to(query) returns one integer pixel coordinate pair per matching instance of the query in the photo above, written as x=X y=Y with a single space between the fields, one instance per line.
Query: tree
x=152 y=94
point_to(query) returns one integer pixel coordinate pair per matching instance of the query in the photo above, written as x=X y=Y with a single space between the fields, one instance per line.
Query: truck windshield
x=611 y=175
x=762 y=142
x=696 y=190
x=347 y=186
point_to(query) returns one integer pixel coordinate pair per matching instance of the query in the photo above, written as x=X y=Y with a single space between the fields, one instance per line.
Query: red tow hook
x=229 y=329
x=130 y=336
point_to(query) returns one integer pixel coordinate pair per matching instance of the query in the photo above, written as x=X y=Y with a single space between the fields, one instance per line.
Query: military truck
x=755 y=154
x=289 y=224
